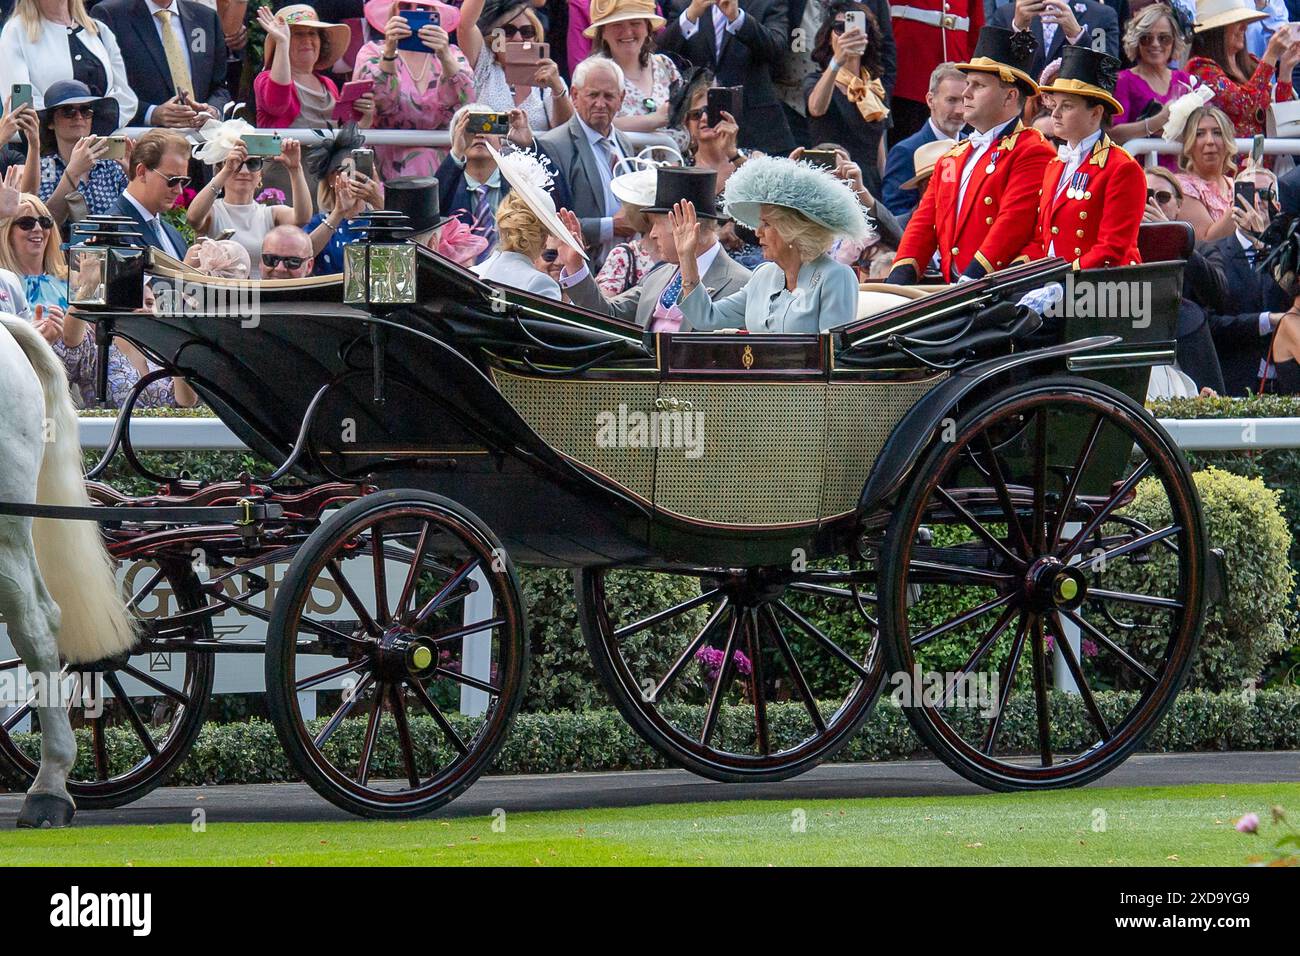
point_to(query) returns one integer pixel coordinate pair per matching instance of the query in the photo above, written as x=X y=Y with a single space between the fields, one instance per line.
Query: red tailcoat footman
x=930 y=32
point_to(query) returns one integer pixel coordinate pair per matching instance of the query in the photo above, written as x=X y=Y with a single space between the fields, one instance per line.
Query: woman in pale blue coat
x=798 y=211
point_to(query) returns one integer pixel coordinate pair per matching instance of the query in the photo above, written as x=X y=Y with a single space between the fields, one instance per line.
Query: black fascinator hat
x=325 y=157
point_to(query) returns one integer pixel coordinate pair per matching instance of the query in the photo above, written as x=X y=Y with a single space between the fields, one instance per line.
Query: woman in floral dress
x=623 y=31
x=413 y=90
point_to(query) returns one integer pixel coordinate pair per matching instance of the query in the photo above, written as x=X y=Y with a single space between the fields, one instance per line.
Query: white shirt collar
x=155 y=7
x=1247 y=244
x=492 y=182
x=938 y=133
x=1076 y=155
x=704 y=261
x=148 y=216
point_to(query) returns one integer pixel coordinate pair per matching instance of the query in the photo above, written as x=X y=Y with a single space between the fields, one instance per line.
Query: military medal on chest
x=1078 y=185
x=993 y=162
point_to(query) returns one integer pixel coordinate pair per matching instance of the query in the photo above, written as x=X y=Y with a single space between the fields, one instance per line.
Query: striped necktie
x=485 y=223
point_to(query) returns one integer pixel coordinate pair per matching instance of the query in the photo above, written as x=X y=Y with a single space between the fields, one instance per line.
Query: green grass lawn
x=1150 y=826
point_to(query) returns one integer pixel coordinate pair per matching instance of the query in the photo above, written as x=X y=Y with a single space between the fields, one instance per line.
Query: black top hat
x=1085 y=72
x=75 y=93
x=699 y=185
x=417 y=199
x=1008 y=53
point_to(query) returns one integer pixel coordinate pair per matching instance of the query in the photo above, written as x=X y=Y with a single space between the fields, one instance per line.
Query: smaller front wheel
x=371 y=618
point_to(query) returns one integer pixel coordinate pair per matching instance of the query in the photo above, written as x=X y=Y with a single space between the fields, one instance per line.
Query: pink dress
x=1134 y=94
x=278 y=106
x=399 y=104
x=578 y=46
x=1215 y=203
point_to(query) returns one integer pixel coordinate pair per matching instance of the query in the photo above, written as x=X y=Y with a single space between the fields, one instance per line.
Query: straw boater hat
x=925 y=158
x=334 y=36
x=605 y=12
x=1087 y=73
x=810 y=191
x=531 y=181
x=1215 y=14
x=378 y=12
x=1007 y=53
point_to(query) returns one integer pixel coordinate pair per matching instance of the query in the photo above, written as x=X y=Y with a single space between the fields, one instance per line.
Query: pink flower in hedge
x=272 y=197
x=1089 y=647
x=1248 y=824
x=186 y=195
x=712 y=657
x=1050 y=641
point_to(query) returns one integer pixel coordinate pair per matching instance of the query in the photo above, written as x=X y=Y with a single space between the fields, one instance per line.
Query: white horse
x=58 y=594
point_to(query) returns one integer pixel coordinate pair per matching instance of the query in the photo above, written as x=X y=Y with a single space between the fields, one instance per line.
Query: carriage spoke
x=755 y=643
x=1111 y=504
x=10 y=665
x=156 y=684
x=975 y=525
x=345 y=588
x=132 y=715
x=957 y=571
x=964 y=618
x=1040 y=482
x=691 y=649
x=1080 y=464
x=427 y=702
x=723 y=680
x=99 y=747
x=1105 y=640
x=1146 y=600
x=660 y=616
x=323 y=676
x=413 y=575
x=811 y=630
x=372 y=733
x=1040 y=693
x=75 y=694
x=1134 y=544
x=349 y=702
x=404 y=733
x=1076 y=671
x=796 y=673
x=145 y=590
x=381 y=572
x=823 y=590
x=1004 y=496
x=1008 y=679
x=465 y=630
x=467 y=681
x=980 y=652
x=435 y=602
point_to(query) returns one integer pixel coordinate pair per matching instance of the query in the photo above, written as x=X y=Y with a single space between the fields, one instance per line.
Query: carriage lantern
x=106 y=264
x=380 y=269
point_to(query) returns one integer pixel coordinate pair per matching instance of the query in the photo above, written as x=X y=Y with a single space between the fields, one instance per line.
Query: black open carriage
x=952 y=500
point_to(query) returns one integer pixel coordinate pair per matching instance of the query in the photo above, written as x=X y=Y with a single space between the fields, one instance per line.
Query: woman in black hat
x=74 y=128
x=341 y=194
x=485 y=27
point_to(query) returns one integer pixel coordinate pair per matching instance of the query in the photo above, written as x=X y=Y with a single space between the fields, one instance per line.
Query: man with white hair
x=584 y=152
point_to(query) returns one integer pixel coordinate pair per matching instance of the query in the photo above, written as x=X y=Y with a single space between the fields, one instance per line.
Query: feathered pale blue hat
x=809 y=190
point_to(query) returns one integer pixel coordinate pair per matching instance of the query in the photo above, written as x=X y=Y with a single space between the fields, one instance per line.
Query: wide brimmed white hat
x=1213 y=14
x=531 y=181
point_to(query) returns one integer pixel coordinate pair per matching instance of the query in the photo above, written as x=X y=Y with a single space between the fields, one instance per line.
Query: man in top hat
x=979 y=209
x=417 y=197
x=1093 y=193
x=653 y=303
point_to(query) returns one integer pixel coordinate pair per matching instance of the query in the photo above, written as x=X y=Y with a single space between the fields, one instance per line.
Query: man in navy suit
x=160 y=163
x=470 y=187
x=947 y=87
x=742 y=42
x=180 y=94
x=1057 y=22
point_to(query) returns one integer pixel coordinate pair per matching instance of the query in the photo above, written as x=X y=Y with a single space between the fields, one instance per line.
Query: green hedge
x=595 y=740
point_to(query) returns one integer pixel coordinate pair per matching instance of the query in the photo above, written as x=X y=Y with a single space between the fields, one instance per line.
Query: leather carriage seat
x=877 y=297
x=167 y=267
x=1165 y=241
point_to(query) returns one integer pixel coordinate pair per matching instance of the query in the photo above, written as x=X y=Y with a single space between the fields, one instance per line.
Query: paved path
x=914 y=778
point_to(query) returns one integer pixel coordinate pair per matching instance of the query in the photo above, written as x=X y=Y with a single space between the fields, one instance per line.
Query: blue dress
x=330 y=259
x=825 y=296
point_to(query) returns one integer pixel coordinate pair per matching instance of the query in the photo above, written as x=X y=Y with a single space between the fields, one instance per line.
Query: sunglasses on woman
x=694 y=116
x=1156 y=39
x=72 y=112
x=525 y=32
x=1161 y=196
x=271 y=260
x=173 y=182
x=28 y=223
x=253 y=164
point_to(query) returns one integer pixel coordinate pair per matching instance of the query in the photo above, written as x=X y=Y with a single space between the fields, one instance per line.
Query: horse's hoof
x=43 y=811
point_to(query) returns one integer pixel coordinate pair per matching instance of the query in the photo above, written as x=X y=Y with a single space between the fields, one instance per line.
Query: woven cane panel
x=568 y=416
x=762 y=454
x=859 y=417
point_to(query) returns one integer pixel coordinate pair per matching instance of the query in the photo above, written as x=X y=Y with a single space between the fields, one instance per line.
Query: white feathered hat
x=529 y=178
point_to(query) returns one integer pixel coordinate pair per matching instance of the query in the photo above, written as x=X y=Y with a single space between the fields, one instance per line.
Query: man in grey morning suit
x=652 y=304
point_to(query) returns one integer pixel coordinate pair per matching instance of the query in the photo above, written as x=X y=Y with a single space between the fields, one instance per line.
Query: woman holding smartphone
x=341 y=194
x=293 y=90
x=486 y=26
x=1153 y=42
x=413 y=89
x=846 y=102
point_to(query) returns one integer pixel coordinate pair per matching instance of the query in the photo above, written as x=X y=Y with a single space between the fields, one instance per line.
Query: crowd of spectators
x=575 y=82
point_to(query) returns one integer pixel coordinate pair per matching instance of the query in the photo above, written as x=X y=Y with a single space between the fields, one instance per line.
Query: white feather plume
x=1181 y=109
x=533 y=168
x=219 y=138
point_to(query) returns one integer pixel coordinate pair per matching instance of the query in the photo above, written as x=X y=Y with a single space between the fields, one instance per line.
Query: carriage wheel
x=371 y=618
x=1065 y=555
x=134 y=742
x=698 y=670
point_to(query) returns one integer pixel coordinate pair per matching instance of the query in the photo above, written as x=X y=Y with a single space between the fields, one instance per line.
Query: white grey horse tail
x=74 y=563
